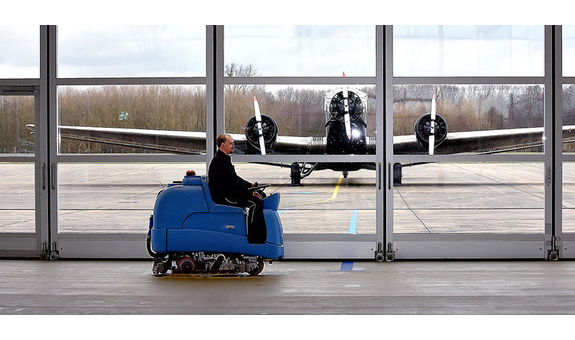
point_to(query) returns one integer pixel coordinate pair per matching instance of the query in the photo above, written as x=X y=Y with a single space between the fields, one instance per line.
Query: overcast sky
x=110 y=51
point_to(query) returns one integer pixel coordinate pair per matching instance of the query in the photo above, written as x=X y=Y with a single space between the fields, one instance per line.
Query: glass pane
x=568 y=118
x=132 y=119
x=113 y=197
x=568 y=51
x=17 y=202
x=482 y=50
x=568 y=197
x=455 y=198
x=470 y=118
x=15 y=113
x=307 y=119
x=19 y=51
x=325 y=203
x=299 y=50
x=120 y=197
x=131 y=51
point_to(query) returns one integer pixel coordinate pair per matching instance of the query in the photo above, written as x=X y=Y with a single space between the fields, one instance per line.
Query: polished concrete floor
x=32 y=287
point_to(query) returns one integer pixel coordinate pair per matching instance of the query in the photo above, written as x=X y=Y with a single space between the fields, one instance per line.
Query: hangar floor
x=322 y=287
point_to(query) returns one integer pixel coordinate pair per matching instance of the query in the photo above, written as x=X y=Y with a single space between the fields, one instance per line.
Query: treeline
x=298 y=111
x=15 y=113
x=471 y=107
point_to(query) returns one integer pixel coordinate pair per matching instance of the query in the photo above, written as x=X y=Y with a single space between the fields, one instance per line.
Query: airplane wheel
x=295 y=175
x=258 y=269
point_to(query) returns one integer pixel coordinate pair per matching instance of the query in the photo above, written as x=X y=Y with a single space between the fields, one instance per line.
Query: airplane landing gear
x=295 y=175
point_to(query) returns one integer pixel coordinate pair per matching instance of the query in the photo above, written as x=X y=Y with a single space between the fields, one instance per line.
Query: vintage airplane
x=345 y=125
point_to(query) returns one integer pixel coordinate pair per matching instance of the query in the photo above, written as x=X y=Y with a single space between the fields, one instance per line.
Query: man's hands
x=255 y=193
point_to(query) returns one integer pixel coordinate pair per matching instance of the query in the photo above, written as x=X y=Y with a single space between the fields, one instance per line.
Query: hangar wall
x=91 y=199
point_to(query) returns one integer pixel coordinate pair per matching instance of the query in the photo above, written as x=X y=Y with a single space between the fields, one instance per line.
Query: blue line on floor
x=353 y=222
x=280 y=212
x=346 y=266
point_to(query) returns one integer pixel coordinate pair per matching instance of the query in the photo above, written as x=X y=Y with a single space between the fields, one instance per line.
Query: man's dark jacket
x=224 y=182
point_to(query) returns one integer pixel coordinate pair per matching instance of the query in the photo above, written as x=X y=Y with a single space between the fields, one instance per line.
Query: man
x=228 y=188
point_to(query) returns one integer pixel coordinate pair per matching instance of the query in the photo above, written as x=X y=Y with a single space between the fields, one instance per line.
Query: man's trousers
x=256 y=223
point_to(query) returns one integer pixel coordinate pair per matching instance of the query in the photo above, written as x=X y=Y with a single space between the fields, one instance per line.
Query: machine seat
x=214 y=207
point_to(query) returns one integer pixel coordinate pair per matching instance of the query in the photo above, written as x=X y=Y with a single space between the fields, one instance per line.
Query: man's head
x=225 y=143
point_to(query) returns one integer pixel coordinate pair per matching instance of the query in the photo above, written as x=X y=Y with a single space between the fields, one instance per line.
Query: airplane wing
x=181 y=141
x=194 y=142
x=161 y=140
x=488 y=141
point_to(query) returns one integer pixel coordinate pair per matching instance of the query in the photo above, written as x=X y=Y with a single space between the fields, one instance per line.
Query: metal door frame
x=109 y=245
x=482 y=246
x=31 y=244
x=121 y=245
x=403 y=246
x=320 y=246
x=28 y=244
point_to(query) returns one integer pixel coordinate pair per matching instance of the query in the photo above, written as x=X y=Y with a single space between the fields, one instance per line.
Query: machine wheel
x=258 y=269
x=160 y=268
x=186 y=265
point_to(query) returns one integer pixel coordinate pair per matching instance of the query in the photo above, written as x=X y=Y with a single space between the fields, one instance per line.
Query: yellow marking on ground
x=333 y=196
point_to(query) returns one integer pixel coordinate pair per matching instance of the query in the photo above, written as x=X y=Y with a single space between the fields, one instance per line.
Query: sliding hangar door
x=488 y=187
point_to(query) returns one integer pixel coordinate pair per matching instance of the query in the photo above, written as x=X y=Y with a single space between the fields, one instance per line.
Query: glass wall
x=113 y=197
x=21 y=219
x=470 y=198
x=471 y=50
x=132 y=119
x=17 y=198
x=568 y=98
x=131 y=51
x=300 y=78
x=299 y=50
x=20 y=51
x=131 y=111
x=482 y=179
x=480 y=119
x=17 y=191
x=131 y=104
x=301 y=119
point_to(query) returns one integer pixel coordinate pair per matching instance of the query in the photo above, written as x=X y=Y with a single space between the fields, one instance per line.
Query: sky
x=318 y=50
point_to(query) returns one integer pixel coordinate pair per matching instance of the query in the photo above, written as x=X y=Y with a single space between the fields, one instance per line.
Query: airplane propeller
x=346 y=110
x=259 y=125
x=432 y=128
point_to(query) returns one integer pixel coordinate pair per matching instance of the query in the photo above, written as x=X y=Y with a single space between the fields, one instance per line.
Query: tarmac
x=433 y=198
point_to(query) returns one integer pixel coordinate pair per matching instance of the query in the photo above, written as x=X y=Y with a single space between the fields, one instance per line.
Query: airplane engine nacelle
x=269 y=129
x=337 y=108
x=423 y=128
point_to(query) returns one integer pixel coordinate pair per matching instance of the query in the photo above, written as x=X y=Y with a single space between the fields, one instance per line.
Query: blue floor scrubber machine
x=191 y=234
